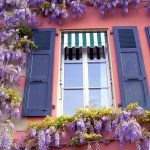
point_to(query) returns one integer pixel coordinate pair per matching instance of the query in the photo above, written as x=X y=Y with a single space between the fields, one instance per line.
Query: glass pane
x=94 y=98
x=103 y=75
x=73 y=76
x=99 y=98
x=105 y=101
x=97 y=75
x=73 y=99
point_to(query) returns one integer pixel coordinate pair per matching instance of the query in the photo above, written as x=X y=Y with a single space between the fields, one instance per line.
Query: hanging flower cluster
x=78 y=8
x=44 y=133
x=110 y=6
x=58 y=10
x=12 y=46
x=55 y=12
x=15 y=13
x=6 y=138
x=16 y=22
x=91 y=124
x=10 y=103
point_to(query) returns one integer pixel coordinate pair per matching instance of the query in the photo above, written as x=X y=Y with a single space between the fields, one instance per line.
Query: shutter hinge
x=53 y=106
x=111 y=33
x=56 y=34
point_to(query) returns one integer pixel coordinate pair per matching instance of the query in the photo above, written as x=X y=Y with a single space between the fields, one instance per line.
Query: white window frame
x=85 y=62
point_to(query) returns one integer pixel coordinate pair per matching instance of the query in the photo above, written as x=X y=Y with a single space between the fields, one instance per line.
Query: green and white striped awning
x=84 y=39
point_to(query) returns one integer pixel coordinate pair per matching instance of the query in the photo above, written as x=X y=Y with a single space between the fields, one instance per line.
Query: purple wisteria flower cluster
x=56 y=10
x=123 y=124
x=128 y=131
x=46 y=133
x=59 y=10
x=9 y=104
x=90 y=124
x=78 y=8
x=6 y=132
x=14 y=15
x=44 y=138
x=110 y=6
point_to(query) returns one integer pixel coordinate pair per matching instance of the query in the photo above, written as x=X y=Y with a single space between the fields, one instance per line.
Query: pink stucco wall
x=93 y=21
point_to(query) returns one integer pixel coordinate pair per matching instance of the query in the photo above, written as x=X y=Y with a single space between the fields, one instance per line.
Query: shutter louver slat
x=126 y=38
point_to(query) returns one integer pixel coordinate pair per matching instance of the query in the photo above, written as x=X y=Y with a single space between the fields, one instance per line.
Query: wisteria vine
x=58 y=10
x=91 y=124
x=17 y=18
x=16 y=22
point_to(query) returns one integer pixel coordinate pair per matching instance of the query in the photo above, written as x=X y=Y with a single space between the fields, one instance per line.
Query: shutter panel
x=38 y=89
x=132 y=76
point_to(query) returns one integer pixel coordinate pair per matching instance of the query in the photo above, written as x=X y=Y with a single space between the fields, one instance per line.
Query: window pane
x=73 y=75
x=99 y=97
x=97 y=75
x=105 y=101
x=103 y=75
x=95 y=98
x=73 y=99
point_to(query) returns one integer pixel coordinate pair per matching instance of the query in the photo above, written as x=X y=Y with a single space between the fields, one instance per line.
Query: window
x=85 y=74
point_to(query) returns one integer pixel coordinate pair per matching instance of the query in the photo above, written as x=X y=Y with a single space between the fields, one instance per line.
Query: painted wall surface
x=93 y=21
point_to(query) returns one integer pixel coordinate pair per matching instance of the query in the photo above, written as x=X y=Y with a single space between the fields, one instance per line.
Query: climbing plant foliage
x=88 y=125
x=17 y=18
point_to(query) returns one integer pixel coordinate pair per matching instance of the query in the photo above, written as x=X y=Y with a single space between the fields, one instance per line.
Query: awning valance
x=84 y=39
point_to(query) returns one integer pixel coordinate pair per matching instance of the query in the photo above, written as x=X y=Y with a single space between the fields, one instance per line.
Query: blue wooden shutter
x=38 y=89
x=133 y=82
